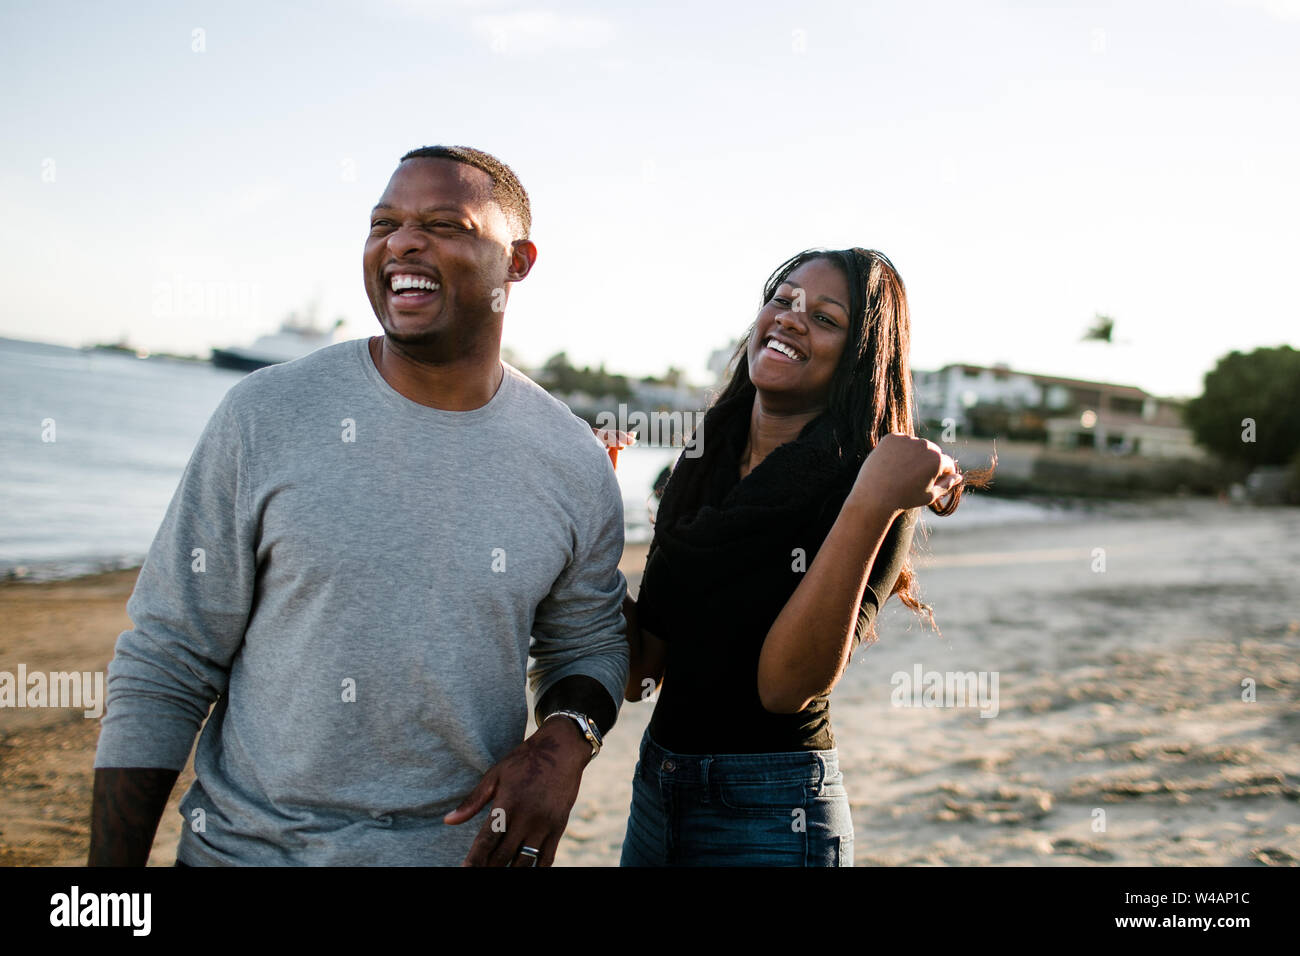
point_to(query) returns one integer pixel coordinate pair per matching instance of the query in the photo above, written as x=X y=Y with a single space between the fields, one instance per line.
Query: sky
x=185 y=174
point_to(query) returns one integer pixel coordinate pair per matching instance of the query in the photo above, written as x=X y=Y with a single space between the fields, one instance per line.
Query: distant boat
x=120 y=347
x=297 y=337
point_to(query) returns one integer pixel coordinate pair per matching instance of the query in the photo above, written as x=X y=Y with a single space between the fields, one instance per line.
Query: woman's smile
x=785 y=349
x=800 y=333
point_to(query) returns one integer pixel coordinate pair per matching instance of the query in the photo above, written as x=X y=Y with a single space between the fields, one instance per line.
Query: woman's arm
x=808 y=648
x=646 y=652
x=809 y=644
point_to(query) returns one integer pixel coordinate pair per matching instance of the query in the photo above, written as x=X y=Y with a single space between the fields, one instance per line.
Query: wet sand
x=1121 y=735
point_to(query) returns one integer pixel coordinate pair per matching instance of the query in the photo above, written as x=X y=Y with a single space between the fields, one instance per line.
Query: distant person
x=365 y=548
x=773 y=552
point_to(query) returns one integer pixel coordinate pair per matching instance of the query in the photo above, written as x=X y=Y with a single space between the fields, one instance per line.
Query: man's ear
x=522 y=256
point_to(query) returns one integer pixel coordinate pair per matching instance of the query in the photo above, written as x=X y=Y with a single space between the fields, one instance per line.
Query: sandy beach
x=1146 y=660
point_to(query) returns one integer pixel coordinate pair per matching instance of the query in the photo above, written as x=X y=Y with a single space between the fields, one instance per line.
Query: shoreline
x=1052 y=506
x=33 y=573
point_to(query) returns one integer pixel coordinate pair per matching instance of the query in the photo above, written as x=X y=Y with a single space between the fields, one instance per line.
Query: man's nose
x=404 y=240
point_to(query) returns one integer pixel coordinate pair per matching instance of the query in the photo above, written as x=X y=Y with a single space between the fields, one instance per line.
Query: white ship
x=298 y=336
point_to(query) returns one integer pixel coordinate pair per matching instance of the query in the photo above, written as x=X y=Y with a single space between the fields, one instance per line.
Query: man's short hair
x=507 y=190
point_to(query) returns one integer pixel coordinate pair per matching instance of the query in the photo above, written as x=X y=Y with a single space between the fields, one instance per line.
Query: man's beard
x=461 y=339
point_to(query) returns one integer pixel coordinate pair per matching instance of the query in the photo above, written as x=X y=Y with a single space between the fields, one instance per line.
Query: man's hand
x=535 y=787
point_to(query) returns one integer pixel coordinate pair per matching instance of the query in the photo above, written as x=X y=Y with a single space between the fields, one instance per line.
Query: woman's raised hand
x=903 y=472
x=614 y=440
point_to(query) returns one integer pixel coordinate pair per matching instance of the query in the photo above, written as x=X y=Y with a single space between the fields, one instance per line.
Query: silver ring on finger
x=530 y=853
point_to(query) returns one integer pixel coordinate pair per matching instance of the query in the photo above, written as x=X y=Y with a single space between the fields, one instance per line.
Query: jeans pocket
x=779 y=798
x=830 y=828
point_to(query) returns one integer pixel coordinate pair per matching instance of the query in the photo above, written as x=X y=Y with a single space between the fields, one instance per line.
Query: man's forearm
x=584 y=694
x=127 y=804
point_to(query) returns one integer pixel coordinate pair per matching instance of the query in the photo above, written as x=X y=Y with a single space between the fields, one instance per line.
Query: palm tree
x=1102 y=327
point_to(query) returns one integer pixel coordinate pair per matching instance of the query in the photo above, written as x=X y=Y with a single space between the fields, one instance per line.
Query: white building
x=1118 y=418
x=949 y=392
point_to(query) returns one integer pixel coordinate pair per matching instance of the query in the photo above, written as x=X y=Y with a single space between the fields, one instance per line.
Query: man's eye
x=379 y=222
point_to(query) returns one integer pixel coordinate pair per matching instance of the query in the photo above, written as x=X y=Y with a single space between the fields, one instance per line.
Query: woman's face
x=800 y=334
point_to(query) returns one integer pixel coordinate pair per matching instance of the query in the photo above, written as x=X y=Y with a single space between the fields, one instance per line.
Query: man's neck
x=461 y=385
x=770 y=428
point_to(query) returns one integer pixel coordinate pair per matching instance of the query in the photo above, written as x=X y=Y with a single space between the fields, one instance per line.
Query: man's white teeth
x=400 y=282
x=784 y=349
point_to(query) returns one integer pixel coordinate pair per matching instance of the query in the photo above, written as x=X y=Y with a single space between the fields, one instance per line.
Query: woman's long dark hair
x=871 y=390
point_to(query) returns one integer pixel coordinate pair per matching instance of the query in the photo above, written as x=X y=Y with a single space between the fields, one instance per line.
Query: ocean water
x=91 y=448
x=92 y=445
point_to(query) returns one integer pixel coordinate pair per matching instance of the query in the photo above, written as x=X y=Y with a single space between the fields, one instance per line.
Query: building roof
x=1124 y=391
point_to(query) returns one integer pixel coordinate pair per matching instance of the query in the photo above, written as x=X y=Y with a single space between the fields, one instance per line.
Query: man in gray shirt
x=365 y=548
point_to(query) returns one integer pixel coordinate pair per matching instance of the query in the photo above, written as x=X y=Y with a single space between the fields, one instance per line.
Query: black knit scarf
x=720 y=540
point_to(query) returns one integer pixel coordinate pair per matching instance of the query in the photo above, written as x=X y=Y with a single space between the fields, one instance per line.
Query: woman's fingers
x=613 y=438
x=947 y=479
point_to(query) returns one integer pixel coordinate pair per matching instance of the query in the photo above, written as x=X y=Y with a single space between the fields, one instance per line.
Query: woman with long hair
x=785 y=526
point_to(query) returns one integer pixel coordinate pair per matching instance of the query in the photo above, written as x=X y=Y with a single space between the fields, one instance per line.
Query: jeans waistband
x=816 y=765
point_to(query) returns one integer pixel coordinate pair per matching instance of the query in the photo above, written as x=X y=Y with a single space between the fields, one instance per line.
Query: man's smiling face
x=439 y=249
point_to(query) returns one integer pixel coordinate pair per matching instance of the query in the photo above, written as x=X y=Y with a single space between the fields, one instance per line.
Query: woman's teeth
x=784 y=350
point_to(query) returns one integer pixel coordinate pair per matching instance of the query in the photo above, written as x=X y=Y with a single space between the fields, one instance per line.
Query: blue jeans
x=777 y=809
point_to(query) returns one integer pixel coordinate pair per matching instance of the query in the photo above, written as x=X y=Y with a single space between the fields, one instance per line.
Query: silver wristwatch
x=585 y=724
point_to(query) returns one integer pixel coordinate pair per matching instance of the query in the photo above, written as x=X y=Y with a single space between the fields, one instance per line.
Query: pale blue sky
x=1024 y=164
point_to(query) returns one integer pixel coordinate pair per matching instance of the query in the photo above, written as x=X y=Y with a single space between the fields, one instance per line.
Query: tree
x=559 y=375
x=1103 y=326
x=1248 y=410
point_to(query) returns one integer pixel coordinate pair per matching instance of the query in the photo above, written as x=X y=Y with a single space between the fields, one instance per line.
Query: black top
x=713 y=603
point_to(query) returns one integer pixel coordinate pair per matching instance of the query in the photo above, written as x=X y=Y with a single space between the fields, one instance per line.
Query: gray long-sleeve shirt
x=358 y=581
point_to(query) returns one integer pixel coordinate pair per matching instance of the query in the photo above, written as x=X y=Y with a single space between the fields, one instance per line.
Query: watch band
x=585 y=724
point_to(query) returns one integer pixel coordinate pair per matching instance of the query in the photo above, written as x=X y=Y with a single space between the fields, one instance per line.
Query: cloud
x=250 y=198
x=238 y=203
x=1278 y=9
x=542 y=31
x=437 y=9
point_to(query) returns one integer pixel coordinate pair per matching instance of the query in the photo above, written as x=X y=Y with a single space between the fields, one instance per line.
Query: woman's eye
x=825 y=318
x=780 y=300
